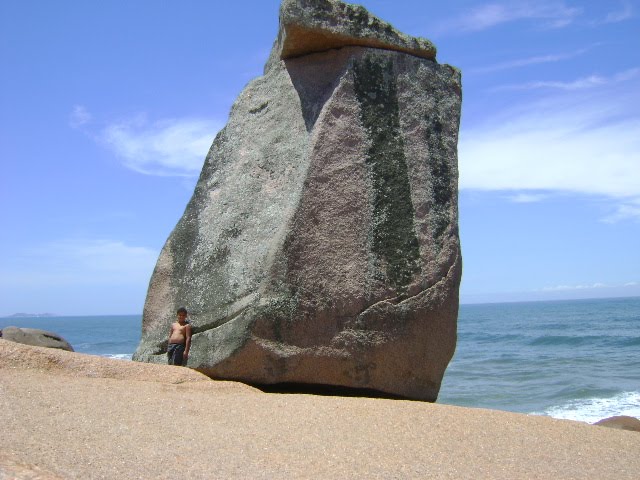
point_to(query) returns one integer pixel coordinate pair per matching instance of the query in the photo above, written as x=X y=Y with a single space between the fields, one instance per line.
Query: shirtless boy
x=179 y=339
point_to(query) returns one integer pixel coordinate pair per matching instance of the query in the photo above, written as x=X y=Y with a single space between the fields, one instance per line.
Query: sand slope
x=68 y=415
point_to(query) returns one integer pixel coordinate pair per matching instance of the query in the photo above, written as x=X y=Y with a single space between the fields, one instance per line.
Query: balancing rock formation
x=320 y=246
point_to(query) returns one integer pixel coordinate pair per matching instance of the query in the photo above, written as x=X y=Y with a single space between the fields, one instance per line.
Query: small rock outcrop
x=36 y=338
x=622 y=422
x=321 y=246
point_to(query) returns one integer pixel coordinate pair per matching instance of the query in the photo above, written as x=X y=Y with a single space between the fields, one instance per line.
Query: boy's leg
x=171 y=354
x=178 y=355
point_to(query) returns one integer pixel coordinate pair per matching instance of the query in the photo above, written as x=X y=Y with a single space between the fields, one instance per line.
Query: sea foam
x=119 y=356
x=593 y=409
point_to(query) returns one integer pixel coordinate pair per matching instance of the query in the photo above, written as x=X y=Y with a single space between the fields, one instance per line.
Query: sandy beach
x=69 y=415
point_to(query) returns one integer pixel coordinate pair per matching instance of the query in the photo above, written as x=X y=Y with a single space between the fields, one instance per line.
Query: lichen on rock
x=394 y=239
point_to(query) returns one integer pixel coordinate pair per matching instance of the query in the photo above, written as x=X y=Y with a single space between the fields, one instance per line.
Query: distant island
x=30 y=315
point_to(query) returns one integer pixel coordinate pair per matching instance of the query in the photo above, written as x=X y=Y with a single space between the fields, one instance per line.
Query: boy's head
x=182 y=314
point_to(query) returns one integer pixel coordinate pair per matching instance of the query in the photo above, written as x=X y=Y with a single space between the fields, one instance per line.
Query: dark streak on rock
x=394 y=237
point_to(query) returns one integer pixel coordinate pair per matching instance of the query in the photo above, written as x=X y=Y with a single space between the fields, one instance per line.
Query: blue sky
x=107 y=110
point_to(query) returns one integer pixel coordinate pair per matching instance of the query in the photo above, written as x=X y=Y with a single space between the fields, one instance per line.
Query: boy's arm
x=187 y=343
x=170 y=332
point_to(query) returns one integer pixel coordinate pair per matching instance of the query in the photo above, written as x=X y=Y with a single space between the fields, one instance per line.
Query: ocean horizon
x=571 y=359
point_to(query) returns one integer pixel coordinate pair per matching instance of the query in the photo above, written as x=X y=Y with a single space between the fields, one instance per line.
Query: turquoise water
x=567 y=359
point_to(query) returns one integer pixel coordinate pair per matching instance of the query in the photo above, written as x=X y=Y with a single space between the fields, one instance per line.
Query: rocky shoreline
x=69 y=415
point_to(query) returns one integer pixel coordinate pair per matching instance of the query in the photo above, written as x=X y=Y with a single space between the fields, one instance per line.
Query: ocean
x=114 y=336
x=577 y=359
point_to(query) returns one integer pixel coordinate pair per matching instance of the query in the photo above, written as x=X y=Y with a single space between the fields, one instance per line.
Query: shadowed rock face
x=321 y=243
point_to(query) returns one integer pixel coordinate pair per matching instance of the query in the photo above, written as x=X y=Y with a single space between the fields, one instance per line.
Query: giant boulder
x=320 y=246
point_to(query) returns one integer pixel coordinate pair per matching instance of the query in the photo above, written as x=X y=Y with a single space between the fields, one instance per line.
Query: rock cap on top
x=310 y=26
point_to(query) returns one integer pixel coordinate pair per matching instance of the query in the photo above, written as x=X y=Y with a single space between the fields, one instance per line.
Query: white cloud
x=618 y=288
x=585 y=142
x=557 y=288
x=628 y=210
x=556 y=292
x=524 y=62
x=166 y=147
x=532 y=155
x=550 y=14
x=80 y=262
x=79 y=116
x=578 y=84
x=624 y=13
x=528 y=197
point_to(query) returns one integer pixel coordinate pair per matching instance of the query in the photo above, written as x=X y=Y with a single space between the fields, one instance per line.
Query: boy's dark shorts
x=175 y=353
